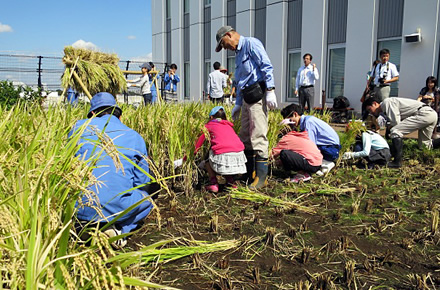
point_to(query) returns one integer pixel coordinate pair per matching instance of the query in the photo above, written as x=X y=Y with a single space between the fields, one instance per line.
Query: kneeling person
x=298 y=153
x=369 y=146
x=114 y=190
x=320 y=133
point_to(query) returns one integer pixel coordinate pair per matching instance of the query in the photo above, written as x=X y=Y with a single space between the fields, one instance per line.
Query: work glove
x=271 y=99
x=287 y=122
x=236 y=112
x=348 y=155
x=178 y=163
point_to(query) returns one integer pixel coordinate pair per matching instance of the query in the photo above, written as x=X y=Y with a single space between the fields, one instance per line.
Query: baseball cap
x=215 y=110
x=145 y=65
x=220 y=33
x=102 y=100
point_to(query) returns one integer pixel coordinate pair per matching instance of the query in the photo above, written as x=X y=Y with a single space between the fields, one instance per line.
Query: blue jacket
x=171 y=84
x=114 y=187
x=321 y=133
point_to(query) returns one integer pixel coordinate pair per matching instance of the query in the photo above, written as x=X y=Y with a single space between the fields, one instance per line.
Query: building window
x=167 y=9
x=185 y=6
x=394 y=46
x=207 y=2
x=336 y=65
x=260 y=21
x=230 y=66
x=294 y=65
x=186 y=81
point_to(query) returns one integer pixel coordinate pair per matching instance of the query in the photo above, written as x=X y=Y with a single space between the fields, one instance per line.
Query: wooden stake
x=86 y=91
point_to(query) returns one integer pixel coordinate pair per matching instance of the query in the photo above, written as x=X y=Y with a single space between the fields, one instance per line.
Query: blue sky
x=45 y=27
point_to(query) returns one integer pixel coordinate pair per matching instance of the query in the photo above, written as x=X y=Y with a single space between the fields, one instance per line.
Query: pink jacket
x=300 y=143
x=223 y=137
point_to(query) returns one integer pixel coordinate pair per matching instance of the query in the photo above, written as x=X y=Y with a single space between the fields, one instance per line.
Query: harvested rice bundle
x=94 y=72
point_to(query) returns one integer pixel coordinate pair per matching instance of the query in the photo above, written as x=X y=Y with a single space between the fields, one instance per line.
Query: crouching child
x=296 y=152
x=226 y=154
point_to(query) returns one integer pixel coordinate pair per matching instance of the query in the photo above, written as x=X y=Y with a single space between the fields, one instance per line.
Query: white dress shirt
x=306 y=76
x=216 y=83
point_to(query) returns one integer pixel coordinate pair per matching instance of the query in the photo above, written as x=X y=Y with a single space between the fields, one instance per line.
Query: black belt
x=422 y=107
x=305 y=87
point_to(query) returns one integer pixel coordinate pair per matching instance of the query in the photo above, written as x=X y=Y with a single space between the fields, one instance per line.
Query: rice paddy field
x=352 y=229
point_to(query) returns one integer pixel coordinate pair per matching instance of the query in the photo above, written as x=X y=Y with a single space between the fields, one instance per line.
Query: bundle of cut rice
x=94 y=72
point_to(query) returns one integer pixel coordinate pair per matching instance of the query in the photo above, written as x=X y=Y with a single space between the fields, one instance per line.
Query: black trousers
x=305 y=94
x=147 y=98
x=293 y=161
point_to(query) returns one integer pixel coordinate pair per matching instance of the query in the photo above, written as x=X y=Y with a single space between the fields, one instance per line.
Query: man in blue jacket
x=113 y=149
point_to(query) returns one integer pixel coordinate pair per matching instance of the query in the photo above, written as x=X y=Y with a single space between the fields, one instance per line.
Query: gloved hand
x=178 y=163
x=287 y=122
x=271 y=99
x=348 y=155
x=236 y=112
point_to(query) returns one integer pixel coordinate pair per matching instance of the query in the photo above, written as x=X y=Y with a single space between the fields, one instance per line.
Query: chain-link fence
x=46 y=71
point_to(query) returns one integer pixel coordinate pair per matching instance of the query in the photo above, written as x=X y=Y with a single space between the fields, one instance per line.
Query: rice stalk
x=242 y=193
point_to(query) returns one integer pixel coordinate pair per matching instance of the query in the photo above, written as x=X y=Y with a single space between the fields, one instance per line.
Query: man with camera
x=383 y=75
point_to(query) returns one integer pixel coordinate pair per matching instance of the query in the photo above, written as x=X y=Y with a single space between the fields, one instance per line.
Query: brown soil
x=389 y=241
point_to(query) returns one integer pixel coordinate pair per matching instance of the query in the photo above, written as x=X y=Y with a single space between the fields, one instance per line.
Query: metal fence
x=46 y=71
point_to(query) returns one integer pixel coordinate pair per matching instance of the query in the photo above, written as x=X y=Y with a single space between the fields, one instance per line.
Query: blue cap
x=215 y=110
x=102 y=100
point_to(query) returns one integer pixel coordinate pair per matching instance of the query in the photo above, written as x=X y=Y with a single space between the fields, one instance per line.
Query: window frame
x=292 y=89
x=328 y=84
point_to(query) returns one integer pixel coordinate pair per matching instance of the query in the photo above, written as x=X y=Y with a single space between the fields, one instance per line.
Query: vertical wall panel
x=337 y=21
x=390 y=18
x=294 y=24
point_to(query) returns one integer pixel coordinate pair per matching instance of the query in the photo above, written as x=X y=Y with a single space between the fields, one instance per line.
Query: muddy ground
x=372 y=229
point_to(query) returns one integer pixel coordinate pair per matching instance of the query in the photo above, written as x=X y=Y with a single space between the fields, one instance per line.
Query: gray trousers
x=382 y=92
x=305 y=95
x=424 y=120
x=254 y=126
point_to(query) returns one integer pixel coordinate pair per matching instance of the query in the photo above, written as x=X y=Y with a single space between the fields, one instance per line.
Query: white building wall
x=359 y=49
x=196 y=50
x=245 y=17
x=218 y=19
x=158 y=30
x=314 y=41
x=276 y=45
x=177 y=41
x=418 y=60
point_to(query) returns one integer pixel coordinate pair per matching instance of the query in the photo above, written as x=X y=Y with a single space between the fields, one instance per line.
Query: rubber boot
x=397 y=150
x=435 y=143
x=261 y=170
x=250 y=166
